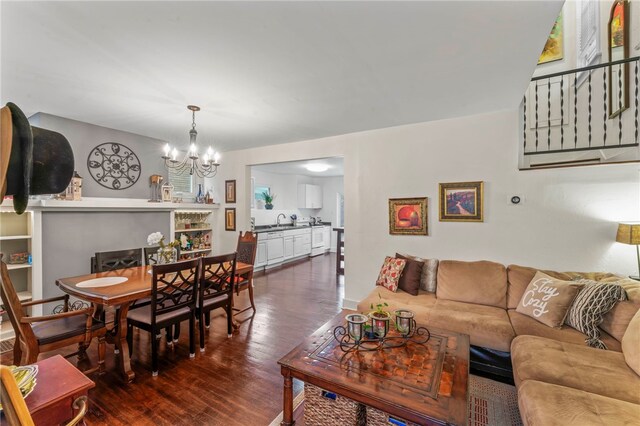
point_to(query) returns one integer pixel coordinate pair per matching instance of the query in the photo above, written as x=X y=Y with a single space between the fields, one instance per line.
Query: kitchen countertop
x=286 y=227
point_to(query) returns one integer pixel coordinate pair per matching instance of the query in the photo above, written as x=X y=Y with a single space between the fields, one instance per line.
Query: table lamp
x=629 y=233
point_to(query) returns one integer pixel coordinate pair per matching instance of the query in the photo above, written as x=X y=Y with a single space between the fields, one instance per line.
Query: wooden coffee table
x=422 y=383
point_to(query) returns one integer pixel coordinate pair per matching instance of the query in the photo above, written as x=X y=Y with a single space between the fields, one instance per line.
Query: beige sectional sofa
x=560 y=380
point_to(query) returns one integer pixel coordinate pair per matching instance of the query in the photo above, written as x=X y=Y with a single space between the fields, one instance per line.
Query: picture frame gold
x=408 y=216
x=461 y=201
x=230 y=219
x=230 y=191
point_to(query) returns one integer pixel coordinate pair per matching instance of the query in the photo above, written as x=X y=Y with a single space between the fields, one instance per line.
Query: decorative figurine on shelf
x=208 y=199
x=184 y=242
x=167 y=192
x=156 y=188
x=74 y=190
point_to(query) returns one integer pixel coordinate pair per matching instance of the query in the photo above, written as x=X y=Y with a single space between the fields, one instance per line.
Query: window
x=587 y=35
x=181 y=183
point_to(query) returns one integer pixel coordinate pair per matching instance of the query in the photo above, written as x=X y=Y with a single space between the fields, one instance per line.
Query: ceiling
x=268 y=72
x=336 y=167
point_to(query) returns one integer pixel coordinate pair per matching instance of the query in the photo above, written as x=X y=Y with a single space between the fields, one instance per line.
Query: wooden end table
x=422 y=383
x=58 y=385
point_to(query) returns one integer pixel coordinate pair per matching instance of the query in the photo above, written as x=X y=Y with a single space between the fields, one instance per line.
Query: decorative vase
x=200 y=196
x=167 y=255
x=268 y=206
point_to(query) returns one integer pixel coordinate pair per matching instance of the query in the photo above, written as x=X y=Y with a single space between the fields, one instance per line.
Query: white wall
x=567 y=221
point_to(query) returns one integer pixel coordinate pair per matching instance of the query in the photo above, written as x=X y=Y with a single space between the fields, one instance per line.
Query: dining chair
x=15 y=408
x=173 y=300
x=246 y=250
x=118 y=259
x=49 y=332
x=216 y=290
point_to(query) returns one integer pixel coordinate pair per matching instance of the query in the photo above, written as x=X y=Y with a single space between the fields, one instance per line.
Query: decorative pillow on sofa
x=593 y=301
x=390 y=273
x=429 y=272
x=410 y=278
x=547 y=299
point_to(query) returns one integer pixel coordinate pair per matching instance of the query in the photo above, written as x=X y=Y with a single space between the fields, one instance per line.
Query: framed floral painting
x=461 y=202
x=408 y=216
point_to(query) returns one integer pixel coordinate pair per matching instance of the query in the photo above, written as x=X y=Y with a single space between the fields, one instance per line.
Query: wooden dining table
x=137 y=286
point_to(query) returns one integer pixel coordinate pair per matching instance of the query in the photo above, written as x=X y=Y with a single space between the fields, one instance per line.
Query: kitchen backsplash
x=269 y=217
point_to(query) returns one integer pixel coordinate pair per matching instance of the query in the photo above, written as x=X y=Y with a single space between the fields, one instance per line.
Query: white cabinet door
x=275 y=250
x=298 y=245
x=288 y=247
x=261 y=253
x=309 y=196
x=326 y=231
x=315 y=198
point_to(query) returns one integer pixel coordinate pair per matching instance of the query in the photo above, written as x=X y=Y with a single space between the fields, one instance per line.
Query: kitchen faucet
x=278 y=218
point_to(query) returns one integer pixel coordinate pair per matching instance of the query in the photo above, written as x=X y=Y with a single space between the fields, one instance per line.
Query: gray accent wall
x=69 y=239
x=83 y=137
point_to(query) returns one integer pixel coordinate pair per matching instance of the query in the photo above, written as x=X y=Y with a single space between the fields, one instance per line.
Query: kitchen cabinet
x=309 y=196
x=261 y=251
x=288 y=246
x=275 y=248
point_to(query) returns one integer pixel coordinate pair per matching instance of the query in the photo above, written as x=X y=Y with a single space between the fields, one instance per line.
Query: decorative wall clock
x=114 y=166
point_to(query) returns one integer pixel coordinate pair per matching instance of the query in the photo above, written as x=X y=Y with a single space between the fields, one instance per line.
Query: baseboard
x=351 y=305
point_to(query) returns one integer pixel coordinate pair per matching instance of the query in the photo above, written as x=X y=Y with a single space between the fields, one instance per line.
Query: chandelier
x=203 y=166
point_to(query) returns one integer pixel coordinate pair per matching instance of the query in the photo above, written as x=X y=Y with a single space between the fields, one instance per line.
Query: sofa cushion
x=390 y=273
x=429 y=272
x=487 y=326
x=588 y=308
x=521 y=276
x=397 y=300
x=631 y=344
x=482 y=282
x=615 y=322
x=411 y=274
x=524 y=325
x=544 y=404
x=574 y=365
x=548 y=299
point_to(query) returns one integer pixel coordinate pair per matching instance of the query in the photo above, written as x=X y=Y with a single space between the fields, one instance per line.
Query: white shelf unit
x=199 y=231
x=16 y=236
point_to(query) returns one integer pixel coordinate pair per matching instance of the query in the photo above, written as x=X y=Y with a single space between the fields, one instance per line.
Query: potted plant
x=380 y=319
x=268 y=200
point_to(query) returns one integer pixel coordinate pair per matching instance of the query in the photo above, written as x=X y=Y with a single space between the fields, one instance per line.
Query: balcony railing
x=593 y=108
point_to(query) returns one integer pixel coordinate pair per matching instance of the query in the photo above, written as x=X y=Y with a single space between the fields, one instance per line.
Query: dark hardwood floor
x=237 y=380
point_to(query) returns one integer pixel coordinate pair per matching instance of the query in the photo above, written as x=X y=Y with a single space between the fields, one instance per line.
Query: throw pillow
x=410 y=278
x=429 y=273
x=548 y=299
x=593 y=301
x=390 y=273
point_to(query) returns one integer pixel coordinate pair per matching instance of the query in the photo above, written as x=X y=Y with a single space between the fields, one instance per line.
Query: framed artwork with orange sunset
x=408 y=216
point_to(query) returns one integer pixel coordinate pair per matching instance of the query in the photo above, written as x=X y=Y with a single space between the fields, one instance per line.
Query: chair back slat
x=175 y=286
x=217 y=276
x=247 y=247
x=119 y=259
x=12 y=305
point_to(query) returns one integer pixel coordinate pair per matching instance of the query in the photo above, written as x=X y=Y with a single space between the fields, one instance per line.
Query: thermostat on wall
x=516 y=200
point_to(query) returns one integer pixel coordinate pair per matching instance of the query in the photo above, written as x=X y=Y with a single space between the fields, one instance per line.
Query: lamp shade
x=628 y=233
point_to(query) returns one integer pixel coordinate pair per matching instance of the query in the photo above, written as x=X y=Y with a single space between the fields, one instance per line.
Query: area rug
x=491 y=403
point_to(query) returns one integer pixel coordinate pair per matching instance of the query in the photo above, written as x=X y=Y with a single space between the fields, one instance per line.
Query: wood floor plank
x=235 y=381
